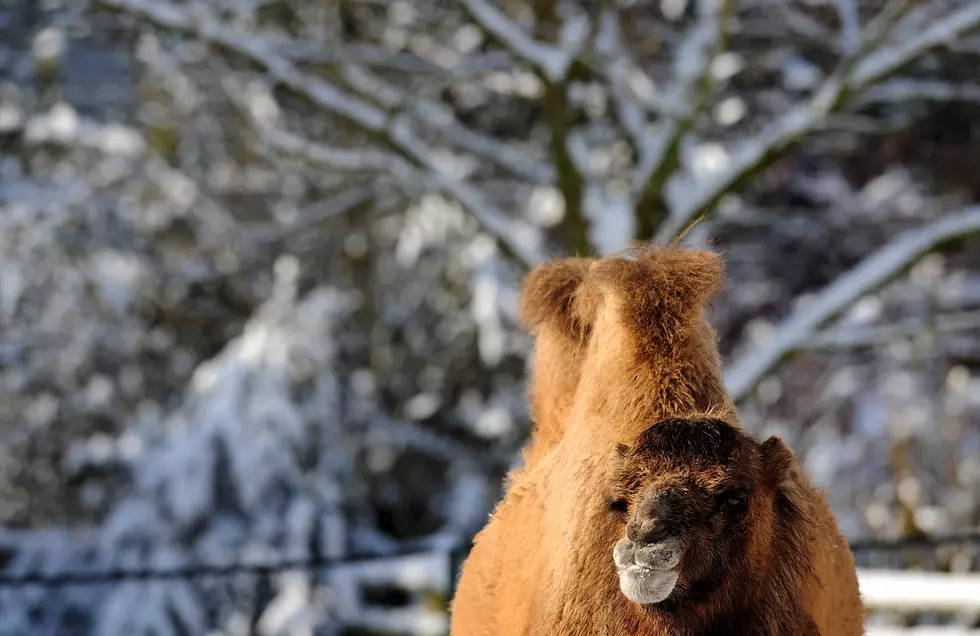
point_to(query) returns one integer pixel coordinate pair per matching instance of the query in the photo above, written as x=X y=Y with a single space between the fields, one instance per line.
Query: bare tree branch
x=615 y=64
x=885 y=22
x=907 y=90
x=799 y=25
x=969 y=45
x=660 y=155
x=359 y=53
x=442 y=120
x=891 y=57
x=389 y=128
x=874 y=271
x=553 y=61
x=855 y=74
x=408 y=174
x=850 y=35
x=560 y=115
x=879 y=335
x=518 y=246
x=330 y=98
x=208 y=28
x=753 y=154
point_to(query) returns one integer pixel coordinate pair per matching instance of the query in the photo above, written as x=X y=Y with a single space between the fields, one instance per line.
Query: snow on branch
x=361 y=53
x=207 y=27
x=688 y=95
x=390 y=128
x=904 y=90
x=255 y=101
x=410 y=435
x=613 y=58
x=553 y=61
x=885 y=21
x=522 y=246
x=380 y=58
x=755 y=153
x=880 y=335
x=340 y=158
x=878 y=57
x=892 y=56
x=629 y=82
x=968 y=45
x=847 y=11
x=343 y=203
x=442 y=120
x=871 y=273
x=803 y=26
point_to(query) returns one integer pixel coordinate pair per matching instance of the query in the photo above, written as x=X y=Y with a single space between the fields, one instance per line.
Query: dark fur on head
x=734 y=556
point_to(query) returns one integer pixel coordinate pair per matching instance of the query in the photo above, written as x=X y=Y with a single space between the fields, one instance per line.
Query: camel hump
x=547 y=297
x=659 y=292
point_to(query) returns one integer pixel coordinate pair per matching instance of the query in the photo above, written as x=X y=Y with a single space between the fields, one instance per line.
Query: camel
x=642 y=506
x=559 y=349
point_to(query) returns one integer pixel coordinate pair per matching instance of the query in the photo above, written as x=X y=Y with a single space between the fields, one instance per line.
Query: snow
x=224 y=483
x=612 y=219
x=921 y=590
x=900 y=50
x=276 y=446
x=554 y=61
x=416 y=573
x=875 y=270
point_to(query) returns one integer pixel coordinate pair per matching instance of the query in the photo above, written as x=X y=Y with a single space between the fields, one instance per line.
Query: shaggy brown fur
x=630 y=409
x=547 y=302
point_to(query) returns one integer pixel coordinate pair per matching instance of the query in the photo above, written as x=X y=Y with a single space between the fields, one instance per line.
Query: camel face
x=684 y=493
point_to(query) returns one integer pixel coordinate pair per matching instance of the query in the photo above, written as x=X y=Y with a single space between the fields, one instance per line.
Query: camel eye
x=619 y=506
x=733 y=501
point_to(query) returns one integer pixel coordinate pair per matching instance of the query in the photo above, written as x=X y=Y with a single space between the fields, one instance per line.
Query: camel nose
x=647 y=531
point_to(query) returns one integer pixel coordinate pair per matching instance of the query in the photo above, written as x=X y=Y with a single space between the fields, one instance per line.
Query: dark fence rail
x=860 y=547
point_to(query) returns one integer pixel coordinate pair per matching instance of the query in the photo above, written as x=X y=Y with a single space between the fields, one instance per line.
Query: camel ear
x=547 y=297
x=777 y=461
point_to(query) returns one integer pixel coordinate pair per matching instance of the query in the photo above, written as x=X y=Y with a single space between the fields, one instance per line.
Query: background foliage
x=259 y=262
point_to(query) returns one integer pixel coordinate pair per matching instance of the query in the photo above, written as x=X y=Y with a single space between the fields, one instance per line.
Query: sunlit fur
x=546 y=308
x=627 y=398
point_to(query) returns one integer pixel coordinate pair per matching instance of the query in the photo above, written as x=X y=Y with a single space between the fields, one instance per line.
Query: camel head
x=698 y=501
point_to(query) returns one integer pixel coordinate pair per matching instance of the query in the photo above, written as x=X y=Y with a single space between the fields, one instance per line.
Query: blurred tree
x=213 y=214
